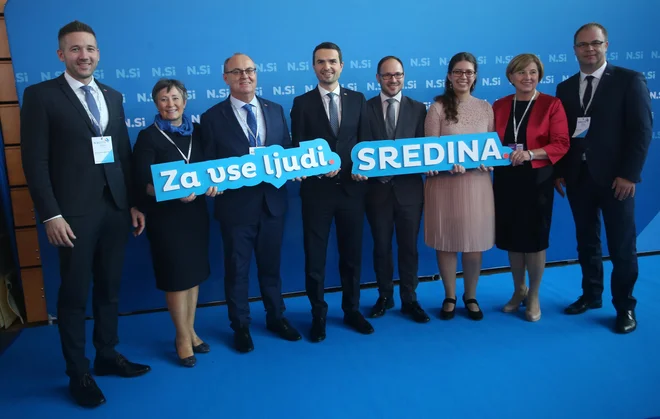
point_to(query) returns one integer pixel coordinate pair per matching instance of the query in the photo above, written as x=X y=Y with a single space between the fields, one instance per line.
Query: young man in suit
x=251 y=218
x=395 y=201
x=609 y=117
x=339 y=116
x=77 y=156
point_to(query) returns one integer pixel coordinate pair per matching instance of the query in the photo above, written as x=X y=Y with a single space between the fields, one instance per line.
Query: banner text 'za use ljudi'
x=421 y=155
x=273 y=164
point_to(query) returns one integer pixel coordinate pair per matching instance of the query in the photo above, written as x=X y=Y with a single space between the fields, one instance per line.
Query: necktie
x=334 y=115
x=253 y=136
x=390 y=125
x=93 y=108
x=587 y=93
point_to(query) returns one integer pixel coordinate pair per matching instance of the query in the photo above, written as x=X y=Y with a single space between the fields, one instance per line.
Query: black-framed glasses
x=239 y=71
x=388 y=76
x=459 y=73
x=594 y=44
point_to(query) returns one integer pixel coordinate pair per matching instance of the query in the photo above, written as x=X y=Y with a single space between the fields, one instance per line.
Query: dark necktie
x=253 y=137
x=93 y=108
x=390 y=125
x=334 y=115
x=587 y=93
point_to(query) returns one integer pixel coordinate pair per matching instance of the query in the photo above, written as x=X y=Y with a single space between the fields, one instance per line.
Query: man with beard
x=339 y=116
x=395 y=201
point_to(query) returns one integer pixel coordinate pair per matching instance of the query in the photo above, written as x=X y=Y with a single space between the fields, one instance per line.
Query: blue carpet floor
x=502 y=367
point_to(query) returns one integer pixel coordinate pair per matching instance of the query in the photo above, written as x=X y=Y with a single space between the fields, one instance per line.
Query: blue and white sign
x=421 y=155
x=273 y=164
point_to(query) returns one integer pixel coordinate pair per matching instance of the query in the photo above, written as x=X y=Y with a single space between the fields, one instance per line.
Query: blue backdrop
x=148 y=39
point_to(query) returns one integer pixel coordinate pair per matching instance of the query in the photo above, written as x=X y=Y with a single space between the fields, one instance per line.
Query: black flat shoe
x=188 y=362
x=474 y=315
x=448 y=315
x=202 y=348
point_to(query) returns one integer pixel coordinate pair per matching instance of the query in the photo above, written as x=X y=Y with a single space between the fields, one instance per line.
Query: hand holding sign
x=273 y=164
x=429 y=154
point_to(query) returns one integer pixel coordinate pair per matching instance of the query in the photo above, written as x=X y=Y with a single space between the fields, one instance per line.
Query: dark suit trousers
x=586 y=198
x=264 y=237
x=318 y=214
x=383 y=216
x=98 y=254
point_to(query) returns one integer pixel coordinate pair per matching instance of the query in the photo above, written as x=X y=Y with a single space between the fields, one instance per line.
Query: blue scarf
x=186 y=127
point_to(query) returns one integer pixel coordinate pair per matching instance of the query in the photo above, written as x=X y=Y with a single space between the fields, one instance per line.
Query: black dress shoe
x=317 y=333
x=626 y=321
x=243 y=340
x=357 y=321
x=202 y=348
x=85 y=391
x=284 y=329
x=583 y=304
x=474 y=315
x=188 y=362
x=119 y=366
x=415 y=311
x=448 y=315
x=382 y=305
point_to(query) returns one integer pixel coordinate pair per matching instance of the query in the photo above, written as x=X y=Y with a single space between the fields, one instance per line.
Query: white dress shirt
x=598 y=74
x=326 y=101
x=241 y=116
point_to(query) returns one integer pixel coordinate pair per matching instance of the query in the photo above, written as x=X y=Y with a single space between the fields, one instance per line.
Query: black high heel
x=202 y=348
x=474 y=315
x=186 y=362
x=448 y=315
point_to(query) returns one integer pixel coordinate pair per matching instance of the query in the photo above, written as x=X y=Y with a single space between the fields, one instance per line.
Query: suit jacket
x=57 y=153
x=408 y=189
x=547 y=127
x=621 y=126
x=309 y=121
x=224 y=137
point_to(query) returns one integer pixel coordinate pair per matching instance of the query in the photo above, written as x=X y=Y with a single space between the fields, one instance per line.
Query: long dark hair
x=448 y=98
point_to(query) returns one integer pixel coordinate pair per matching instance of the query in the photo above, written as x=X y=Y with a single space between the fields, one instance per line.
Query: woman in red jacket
x=534 y=125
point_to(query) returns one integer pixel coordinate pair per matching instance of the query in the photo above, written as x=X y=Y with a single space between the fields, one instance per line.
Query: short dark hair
x=72 y=27
x=327 y=45
x=169 y=84
x=389 y=57
x=587 y=26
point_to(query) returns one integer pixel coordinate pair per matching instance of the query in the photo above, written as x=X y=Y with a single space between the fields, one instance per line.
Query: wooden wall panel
x=4 y=44
x=11 y=127
x=35 y=297
x=27 y=243
x=14 y=166
x=23 y=207
x=7 y=82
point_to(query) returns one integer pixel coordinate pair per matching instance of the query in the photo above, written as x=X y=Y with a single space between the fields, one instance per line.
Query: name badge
x=515 y=147
x=253 y=150
x=582 y=127
x=103 y=150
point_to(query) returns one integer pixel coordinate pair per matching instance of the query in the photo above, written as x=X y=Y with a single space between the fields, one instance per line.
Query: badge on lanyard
x=254 y=149
x=516 y=147
x=516 y=126
x=582 y=127
x=102 y=147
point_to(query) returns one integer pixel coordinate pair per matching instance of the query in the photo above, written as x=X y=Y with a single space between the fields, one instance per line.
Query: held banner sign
x=273 y=164
x=421 y=155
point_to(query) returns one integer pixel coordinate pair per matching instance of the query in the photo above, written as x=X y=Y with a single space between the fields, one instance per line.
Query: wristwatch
x=531 y=155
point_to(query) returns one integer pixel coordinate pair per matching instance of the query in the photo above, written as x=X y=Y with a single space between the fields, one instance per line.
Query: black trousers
x=98 y=256
x=587 y=199
x=384 y=216
x=264 y=238
x=348 y=215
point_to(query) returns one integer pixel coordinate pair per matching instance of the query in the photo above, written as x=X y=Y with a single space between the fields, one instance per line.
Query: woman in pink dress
x=459 y=209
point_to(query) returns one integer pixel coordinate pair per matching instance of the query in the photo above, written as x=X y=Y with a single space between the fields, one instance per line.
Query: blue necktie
x=93 y=108
x=252 y=125
x=334 y=115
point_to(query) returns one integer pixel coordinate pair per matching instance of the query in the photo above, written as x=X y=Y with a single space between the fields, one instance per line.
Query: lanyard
x=96 y=99
x=256 y=136
x=187 y=159
x=516 y=127
x=590 y=99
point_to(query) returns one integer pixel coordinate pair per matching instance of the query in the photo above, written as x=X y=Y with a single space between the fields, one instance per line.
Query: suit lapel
x=345 y=110
x=104 y=93
x=320 y=110
x=68 y=92
x=267 y=119
x=228 y=113
x=603 y=85
x=377 y=109
x=403 y=114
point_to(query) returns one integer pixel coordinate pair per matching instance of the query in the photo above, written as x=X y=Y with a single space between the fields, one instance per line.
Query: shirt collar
x=597 y=74
x=325 y=92
x=239 y=103
x=384 y=97
x=76 y=84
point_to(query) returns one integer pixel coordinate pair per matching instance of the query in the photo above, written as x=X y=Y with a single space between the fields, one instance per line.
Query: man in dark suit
x=339 y=116
x=251 y=218
x=395 y=201
x=609 y=117
x=77 y=156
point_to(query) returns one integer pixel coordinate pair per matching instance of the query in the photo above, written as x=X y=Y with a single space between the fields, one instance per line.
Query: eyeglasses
x=238 y=71
x=459 y=73
x=388 y=76
x=594 y=44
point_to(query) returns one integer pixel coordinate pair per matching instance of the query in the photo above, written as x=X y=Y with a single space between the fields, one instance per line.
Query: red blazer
x=547 y=127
